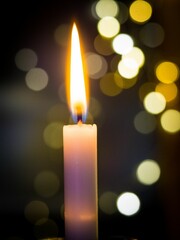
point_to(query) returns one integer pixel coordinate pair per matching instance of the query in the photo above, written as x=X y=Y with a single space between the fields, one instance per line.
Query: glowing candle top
x=76 y=81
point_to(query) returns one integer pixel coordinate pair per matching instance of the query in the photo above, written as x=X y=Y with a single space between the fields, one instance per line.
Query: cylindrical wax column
x=80 y=182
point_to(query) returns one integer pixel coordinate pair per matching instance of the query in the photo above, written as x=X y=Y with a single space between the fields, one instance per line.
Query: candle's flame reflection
x=77 y=89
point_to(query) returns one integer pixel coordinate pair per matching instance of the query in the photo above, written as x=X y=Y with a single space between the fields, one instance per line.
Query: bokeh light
x=26 y=59
x=123 y=12
x=61 y=34
x=114 y=62
x=170 y=121
x=58 y=112
x=124 y=82
x=148 y=172
x=108 y=85
x=36 y=79
x=149 y=30
x=167 y=72
x=146 y=88
x=96 y=65
x=95 y=107
x=145 y=122
x=169 y=91
x=103 y=45
x=122 y=43
x=106 y=8
x=108 y=27
x=136 y=54
x=53 y=135
x=128 y=203
x=154 y=102
x=36 y=210
x=140 y=11
x=128 y=68
x=46 y=183
x=107 y=202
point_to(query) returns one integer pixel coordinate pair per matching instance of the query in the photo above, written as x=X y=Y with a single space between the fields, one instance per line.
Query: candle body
x=80 y=182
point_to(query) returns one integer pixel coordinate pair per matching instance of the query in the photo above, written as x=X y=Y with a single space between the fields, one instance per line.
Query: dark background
x=32 y=24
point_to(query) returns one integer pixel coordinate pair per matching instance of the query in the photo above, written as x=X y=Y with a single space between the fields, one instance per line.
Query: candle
x=80 y=153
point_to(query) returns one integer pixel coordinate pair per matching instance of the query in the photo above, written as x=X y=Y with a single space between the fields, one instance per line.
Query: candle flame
x=77 y=89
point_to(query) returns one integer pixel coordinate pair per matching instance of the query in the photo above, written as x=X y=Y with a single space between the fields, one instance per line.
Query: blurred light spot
x=46 y=184
x=170 y=121
x=124 y=82
x=148 y=172
x=62 y=93
x=128 y=203
x=114 y=62
x=36 y=79
x=61 y=34
x=108 y=85
x=122 y=43
x=53 y=135
x=144 y=122
x=145 y=89
x=107 y=8
x=107 y=202
x=26 y=59
x=169 y=91
x=58 y=112
x=154 y=102
x=96 y=64
x=136 y=54
x=103 y=45
x=95 y=107
x=140 y=11
x=167 y=72
x=48 y=228
x=152 y=35
x=108 y=27
x=36 y=210
x=123 y=13
x=128 y=68
x=93 y=10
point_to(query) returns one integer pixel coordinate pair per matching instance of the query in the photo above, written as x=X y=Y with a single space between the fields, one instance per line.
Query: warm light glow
x=122 y=43
x=154 y=102
x=170 y=121
x=167 y=72
x=76 y=80
x=128 y=203
x=148 y=172
x=108 y=27
x=136 y=54
x=169 y=91
x=140 y=11
x=106 y=8
x=128 y=68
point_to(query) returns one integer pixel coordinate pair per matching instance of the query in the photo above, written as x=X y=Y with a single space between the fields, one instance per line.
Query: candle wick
x=79 y=118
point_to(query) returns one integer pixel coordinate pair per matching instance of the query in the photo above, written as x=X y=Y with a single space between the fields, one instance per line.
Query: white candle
x=80 y=177
x=80 y=156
